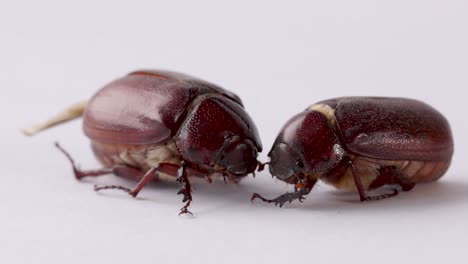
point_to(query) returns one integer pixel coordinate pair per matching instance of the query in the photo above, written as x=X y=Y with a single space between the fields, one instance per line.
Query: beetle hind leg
x=391 y=175
x=148 y=176
x=123 y=171
x=387 y=175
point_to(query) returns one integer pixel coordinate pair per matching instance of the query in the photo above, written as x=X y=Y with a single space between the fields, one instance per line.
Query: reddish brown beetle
x=359 y=144
x=153 y=125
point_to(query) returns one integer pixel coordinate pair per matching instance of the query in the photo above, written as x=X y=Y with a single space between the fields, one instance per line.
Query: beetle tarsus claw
x=184 y=210
x=301 y=199
x=98 y=188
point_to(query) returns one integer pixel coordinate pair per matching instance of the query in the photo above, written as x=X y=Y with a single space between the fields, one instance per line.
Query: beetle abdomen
x=138 y=156
x=369 y=169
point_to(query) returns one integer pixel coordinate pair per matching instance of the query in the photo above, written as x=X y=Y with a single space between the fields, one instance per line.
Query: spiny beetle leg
x=98 y=188
x=287 y=197
x=184 y=188
x=360 y=187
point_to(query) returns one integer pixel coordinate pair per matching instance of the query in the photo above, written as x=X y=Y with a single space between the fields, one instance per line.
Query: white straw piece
x=72 y=112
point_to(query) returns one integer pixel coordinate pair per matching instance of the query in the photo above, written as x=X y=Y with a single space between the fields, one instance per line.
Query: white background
x=280 y=58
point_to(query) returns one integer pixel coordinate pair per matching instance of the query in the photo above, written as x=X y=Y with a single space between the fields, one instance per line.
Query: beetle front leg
x=282 y=199
x=184 y=188
x=360 y=186
x=298 y=194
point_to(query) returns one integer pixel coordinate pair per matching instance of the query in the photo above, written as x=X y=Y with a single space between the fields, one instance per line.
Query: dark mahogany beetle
x=359 y=144
x=153 y=124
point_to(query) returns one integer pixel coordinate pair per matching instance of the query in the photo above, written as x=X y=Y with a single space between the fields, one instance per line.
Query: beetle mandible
x=154 y=124
x=360 y=144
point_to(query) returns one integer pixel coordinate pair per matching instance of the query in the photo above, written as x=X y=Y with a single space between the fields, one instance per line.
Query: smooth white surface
x=279 y=59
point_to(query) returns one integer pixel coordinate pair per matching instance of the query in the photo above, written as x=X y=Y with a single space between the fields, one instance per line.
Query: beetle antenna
x=68 y=114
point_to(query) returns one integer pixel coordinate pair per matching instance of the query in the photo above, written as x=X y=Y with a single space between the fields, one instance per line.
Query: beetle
x=359 y=144
x=162 y=125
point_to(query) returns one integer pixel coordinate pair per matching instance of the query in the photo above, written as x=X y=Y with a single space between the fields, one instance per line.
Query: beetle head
x=239 y=158
x=306 y=145
x=285 y=162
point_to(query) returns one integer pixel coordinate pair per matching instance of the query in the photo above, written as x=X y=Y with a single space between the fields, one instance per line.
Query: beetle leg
x=360 y=187
x=147 y=178
x=144 y=180
x=184 y=188
x=282 y=199
x=391 y=175
x=79 y=173
x=298 y=194
x=167 y=168
x=127 y=172
x=106 y=187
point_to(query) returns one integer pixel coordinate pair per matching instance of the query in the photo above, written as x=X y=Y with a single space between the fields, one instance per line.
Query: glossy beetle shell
x=144 y=107
x=375 y=133
x=149 y=107
x=392 y=128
